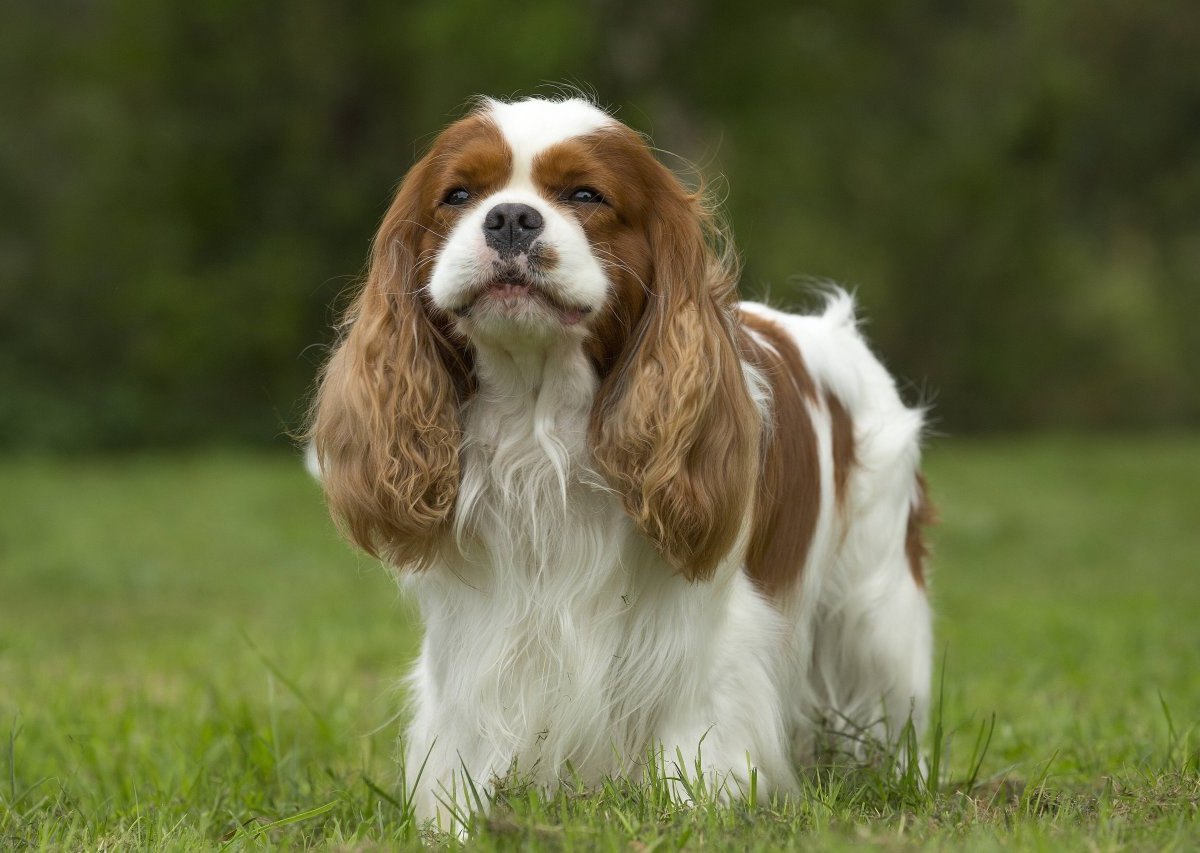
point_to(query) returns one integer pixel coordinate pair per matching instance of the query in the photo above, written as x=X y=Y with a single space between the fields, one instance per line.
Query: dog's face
x=531 y=223
x=514 y=202
x=535 y=224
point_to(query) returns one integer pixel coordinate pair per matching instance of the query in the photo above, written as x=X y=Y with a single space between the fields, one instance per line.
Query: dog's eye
x=585 y=195
x=457 y=196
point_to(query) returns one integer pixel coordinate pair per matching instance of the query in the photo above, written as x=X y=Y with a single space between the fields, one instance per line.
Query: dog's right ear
x=385 y=421
x=674 y=430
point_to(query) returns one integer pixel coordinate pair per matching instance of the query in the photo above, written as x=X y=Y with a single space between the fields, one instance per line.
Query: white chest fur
x=558 y=636
x=523 y=633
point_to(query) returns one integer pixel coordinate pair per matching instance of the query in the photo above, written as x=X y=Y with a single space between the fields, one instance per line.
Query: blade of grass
x=266 y=827
x=291 y=685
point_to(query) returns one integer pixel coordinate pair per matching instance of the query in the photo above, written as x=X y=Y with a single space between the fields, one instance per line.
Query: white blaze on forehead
x=534 y=124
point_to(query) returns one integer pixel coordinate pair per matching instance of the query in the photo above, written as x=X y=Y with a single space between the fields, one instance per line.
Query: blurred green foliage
x=1013 y=188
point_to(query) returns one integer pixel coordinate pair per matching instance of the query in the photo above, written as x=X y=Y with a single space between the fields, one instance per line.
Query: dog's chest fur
x=544 y=647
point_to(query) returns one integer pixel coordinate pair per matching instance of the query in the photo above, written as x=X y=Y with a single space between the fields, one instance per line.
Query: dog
x=640 y=518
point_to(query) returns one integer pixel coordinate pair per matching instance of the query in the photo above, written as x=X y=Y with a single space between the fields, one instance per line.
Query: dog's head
x=526 y=224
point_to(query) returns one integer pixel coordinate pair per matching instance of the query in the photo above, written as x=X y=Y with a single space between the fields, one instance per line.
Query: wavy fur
x=674 y=428
x=385 y=419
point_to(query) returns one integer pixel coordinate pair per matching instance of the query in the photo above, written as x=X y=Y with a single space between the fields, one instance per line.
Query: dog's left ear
x=385 y=422
x=674 y=428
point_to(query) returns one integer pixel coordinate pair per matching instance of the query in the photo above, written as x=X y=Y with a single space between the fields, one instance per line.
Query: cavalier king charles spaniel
x=643 y=521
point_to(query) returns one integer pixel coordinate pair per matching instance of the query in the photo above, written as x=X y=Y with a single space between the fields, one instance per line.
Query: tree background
x=188 y=190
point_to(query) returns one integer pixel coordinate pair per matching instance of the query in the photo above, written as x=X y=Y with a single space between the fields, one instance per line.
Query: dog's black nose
x=511 y=228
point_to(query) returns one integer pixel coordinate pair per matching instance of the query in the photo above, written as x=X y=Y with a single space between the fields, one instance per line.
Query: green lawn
x=188 y=655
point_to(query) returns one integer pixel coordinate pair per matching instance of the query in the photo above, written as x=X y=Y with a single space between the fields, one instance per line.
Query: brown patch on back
x=843 y=444
x=921 y=514
x=788 y=499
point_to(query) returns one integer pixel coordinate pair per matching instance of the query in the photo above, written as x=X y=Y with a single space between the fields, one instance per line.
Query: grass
x=190 y=659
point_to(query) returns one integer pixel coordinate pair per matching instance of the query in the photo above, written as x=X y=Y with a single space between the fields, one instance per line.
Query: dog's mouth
x=510 y=295
x=508 y=289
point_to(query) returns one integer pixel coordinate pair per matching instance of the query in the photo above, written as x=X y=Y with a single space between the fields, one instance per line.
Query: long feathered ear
x=385 y=421
x=675 y=429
